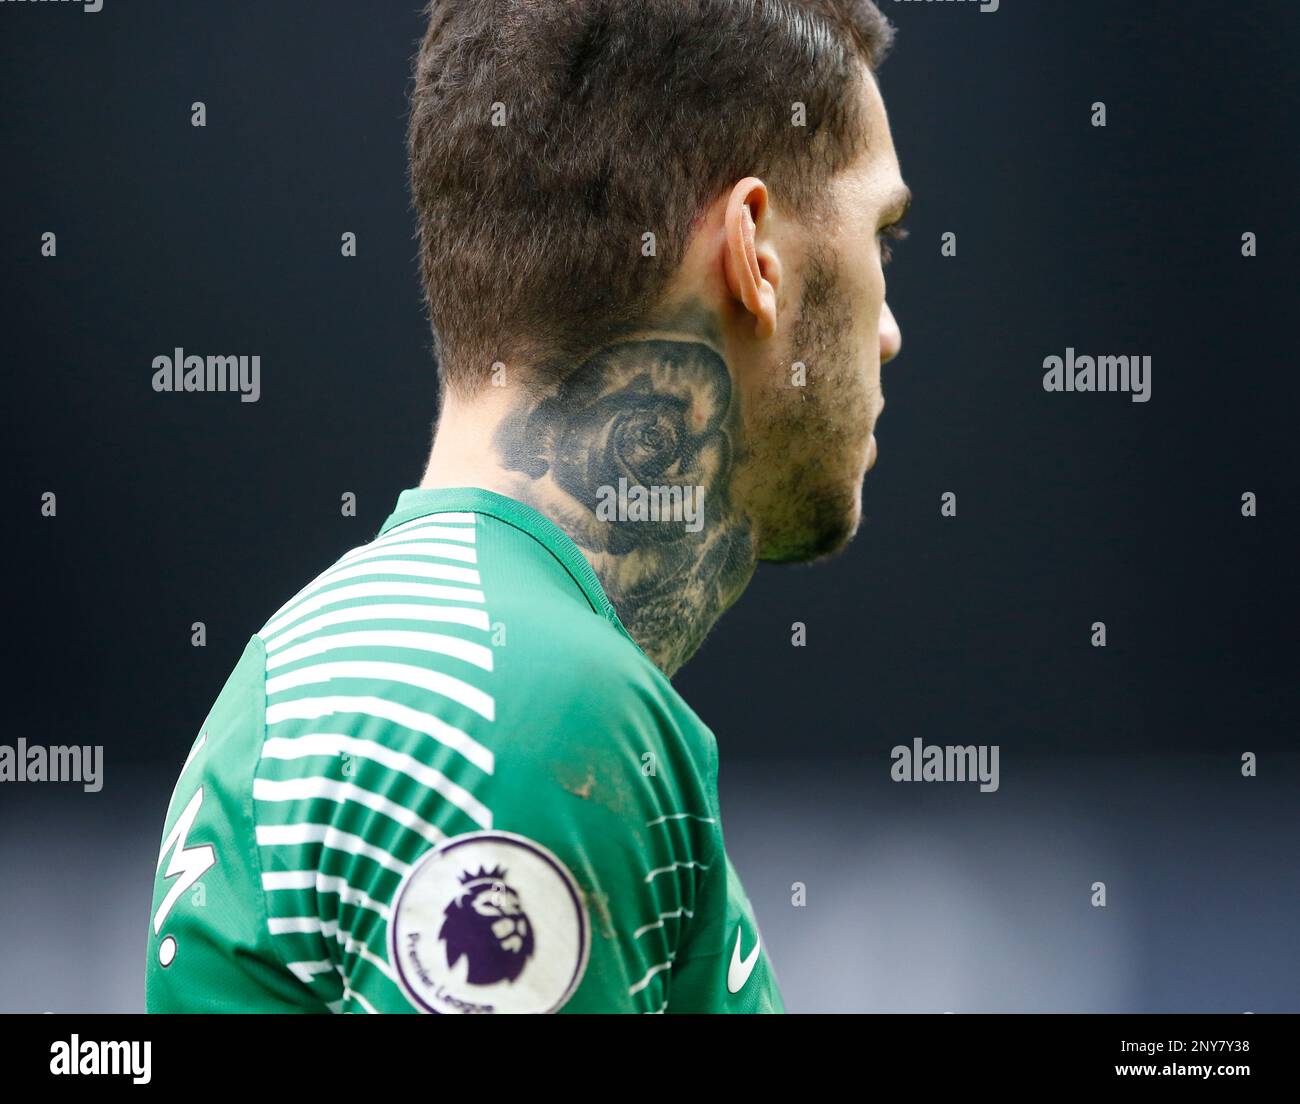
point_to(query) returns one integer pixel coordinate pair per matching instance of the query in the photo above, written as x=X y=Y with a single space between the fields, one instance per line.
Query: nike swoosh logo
x=738 y=972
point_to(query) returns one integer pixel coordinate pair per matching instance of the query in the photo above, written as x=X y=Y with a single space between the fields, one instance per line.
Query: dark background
x=1118 y=764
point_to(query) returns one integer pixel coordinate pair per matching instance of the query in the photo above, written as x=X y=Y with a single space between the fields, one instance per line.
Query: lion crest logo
x=463 y=935
x=486 y=925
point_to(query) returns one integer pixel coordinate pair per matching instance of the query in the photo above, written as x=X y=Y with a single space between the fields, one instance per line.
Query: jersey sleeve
x=209 y=948
x=723 y=966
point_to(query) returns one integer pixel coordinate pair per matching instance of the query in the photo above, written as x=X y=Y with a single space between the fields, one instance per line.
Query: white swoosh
x=738 y=972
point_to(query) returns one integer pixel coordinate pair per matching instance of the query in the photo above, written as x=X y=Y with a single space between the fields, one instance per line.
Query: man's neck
x=633 y=454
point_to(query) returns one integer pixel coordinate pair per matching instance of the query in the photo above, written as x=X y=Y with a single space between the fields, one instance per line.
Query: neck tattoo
x=633 y=455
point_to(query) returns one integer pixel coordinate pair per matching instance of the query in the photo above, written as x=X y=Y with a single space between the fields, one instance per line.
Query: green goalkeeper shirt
x=443 y=778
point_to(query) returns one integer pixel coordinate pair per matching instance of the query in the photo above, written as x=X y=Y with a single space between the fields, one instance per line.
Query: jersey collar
x=420 y=502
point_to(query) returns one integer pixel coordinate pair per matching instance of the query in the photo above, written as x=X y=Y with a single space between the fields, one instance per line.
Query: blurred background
x=1119 y=764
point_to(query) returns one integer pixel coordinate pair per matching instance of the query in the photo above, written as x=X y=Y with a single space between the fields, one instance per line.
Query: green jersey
x=443 y=778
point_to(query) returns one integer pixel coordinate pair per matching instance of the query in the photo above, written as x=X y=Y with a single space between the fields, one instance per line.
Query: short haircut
x=548 y=137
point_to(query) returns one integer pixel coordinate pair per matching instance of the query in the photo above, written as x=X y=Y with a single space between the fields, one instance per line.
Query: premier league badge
x=488 y=922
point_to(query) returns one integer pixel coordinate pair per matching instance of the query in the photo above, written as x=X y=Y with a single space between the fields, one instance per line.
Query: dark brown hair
x=614 y=118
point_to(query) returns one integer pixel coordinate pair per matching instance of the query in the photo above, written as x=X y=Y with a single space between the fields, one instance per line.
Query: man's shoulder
x=465 y=620
x=579 y=681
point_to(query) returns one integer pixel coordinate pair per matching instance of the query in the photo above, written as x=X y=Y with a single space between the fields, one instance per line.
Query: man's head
x=584 y=169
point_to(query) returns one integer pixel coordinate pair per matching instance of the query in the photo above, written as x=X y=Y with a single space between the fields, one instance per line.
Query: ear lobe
x=747 y=274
